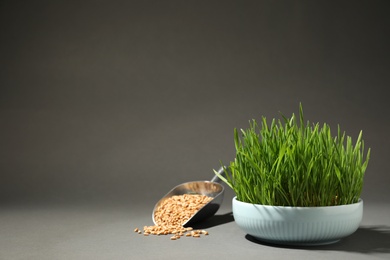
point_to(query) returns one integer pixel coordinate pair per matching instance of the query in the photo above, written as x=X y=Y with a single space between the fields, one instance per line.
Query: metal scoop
x=211 y=188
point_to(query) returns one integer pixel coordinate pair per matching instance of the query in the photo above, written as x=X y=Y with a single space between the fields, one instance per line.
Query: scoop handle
x=220 y=171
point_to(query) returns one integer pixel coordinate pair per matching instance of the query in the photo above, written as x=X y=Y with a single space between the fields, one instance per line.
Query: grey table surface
x=107 y=232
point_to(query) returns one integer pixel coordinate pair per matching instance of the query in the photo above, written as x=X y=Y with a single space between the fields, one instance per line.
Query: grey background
x=113 y=103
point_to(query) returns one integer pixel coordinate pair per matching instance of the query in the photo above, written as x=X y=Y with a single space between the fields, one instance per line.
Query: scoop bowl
x=213 y=189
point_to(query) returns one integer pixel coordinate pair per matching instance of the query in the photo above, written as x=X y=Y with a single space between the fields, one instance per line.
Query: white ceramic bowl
x=298 y=225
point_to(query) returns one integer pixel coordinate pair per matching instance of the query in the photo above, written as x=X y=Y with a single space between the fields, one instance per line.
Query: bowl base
x=297 y=243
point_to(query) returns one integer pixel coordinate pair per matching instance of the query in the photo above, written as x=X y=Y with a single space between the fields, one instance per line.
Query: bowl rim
x=360 y=201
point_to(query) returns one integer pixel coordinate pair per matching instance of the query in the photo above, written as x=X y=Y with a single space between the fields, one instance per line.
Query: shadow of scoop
x=215 y=220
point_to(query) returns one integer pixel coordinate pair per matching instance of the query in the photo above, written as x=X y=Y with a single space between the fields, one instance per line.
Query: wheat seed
x=173 y=213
